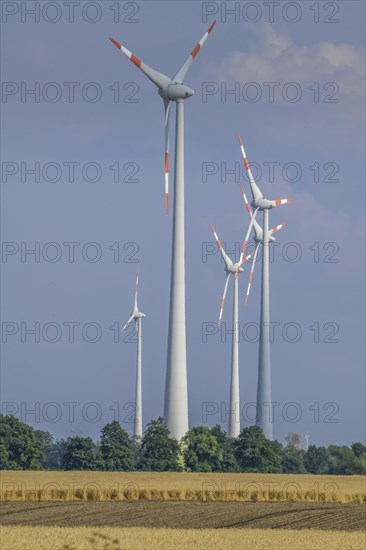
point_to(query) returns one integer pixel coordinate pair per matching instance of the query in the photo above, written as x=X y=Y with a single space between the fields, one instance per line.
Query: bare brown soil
x=186 y=515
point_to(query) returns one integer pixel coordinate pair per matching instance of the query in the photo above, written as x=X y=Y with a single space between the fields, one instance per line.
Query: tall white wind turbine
x=231 y=269
x=264 y=398
x=137 y=316
x=173 y=89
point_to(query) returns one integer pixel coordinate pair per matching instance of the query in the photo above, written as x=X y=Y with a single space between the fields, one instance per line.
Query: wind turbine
x=231 y=269
x=137 y=316
x=173 y=89
x=264 y=398
x=258 y=239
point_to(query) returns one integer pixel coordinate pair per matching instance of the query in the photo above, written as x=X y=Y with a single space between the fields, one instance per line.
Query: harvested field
x=99 y=486
x=186 y=515
x=87 y=538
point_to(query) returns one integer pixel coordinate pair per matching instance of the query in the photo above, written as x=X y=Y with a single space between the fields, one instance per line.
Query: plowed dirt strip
x=187 y=515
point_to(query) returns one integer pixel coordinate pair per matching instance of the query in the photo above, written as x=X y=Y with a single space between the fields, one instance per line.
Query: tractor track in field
x=187 y=515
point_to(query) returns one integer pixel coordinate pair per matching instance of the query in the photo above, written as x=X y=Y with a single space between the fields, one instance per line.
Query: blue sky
x=315 y=146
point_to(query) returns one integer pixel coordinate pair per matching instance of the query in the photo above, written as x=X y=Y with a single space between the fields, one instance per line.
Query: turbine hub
x=262 y=204
x=174 y=91
x=139 y=315
x=233 y=269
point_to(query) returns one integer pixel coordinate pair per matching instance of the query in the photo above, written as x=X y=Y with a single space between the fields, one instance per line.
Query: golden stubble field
x=137 y=510
x=45 y=485
x=106 y=538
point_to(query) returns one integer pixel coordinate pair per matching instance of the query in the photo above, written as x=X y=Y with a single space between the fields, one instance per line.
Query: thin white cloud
x=280 y=59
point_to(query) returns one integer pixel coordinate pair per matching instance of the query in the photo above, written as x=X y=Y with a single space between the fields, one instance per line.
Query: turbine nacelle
x=175 y=92
x=263 y=204
x=138 y=315
x=233 y=268
x=259 y=238
x=266 y=204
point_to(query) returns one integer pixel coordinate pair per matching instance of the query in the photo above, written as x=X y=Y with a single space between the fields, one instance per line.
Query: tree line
x=201 y=450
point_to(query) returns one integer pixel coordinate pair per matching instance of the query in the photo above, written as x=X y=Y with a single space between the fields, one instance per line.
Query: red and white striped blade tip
x=247 y=257
x=166 y=203
x=283 y=201
x=240 y=141
x=117 y=44
x=211 y=27
x=277 y=227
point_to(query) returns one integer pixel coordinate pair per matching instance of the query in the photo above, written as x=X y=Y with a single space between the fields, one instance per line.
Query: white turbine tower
x=231 y=270
x=264 y=398
x=137 y=316
x=173 y=89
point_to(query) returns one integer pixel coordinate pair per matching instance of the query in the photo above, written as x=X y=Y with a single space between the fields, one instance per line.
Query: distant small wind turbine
x=137 y=316
x=231 y=269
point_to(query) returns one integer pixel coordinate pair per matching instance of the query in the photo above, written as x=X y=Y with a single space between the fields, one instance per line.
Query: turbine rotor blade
x=223 y=300
x=256 y=193
x=179 y=77
x=251 y=274
x=246 y=241
x=159 y=79
x=127 y=323
x=167 y=118
x=277 y=228
x=257 y=228
x=136 y=291
x=247 y=257
x=226 y=258
x=246 y=201
x=278 y=202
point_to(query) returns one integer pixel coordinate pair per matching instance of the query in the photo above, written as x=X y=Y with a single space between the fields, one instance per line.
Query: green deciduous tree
x=20 y=448
x=255 y=453
x=52 y=450
x=81 y=454
x=227 y=463
x=159 y=452
x=317 y=460
x=293 y=455
x=343 y=461
x=358 y=449
x=117 y=448
x=293 y=440
x=202 y=450
x=57 y=454
x=5 y=463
